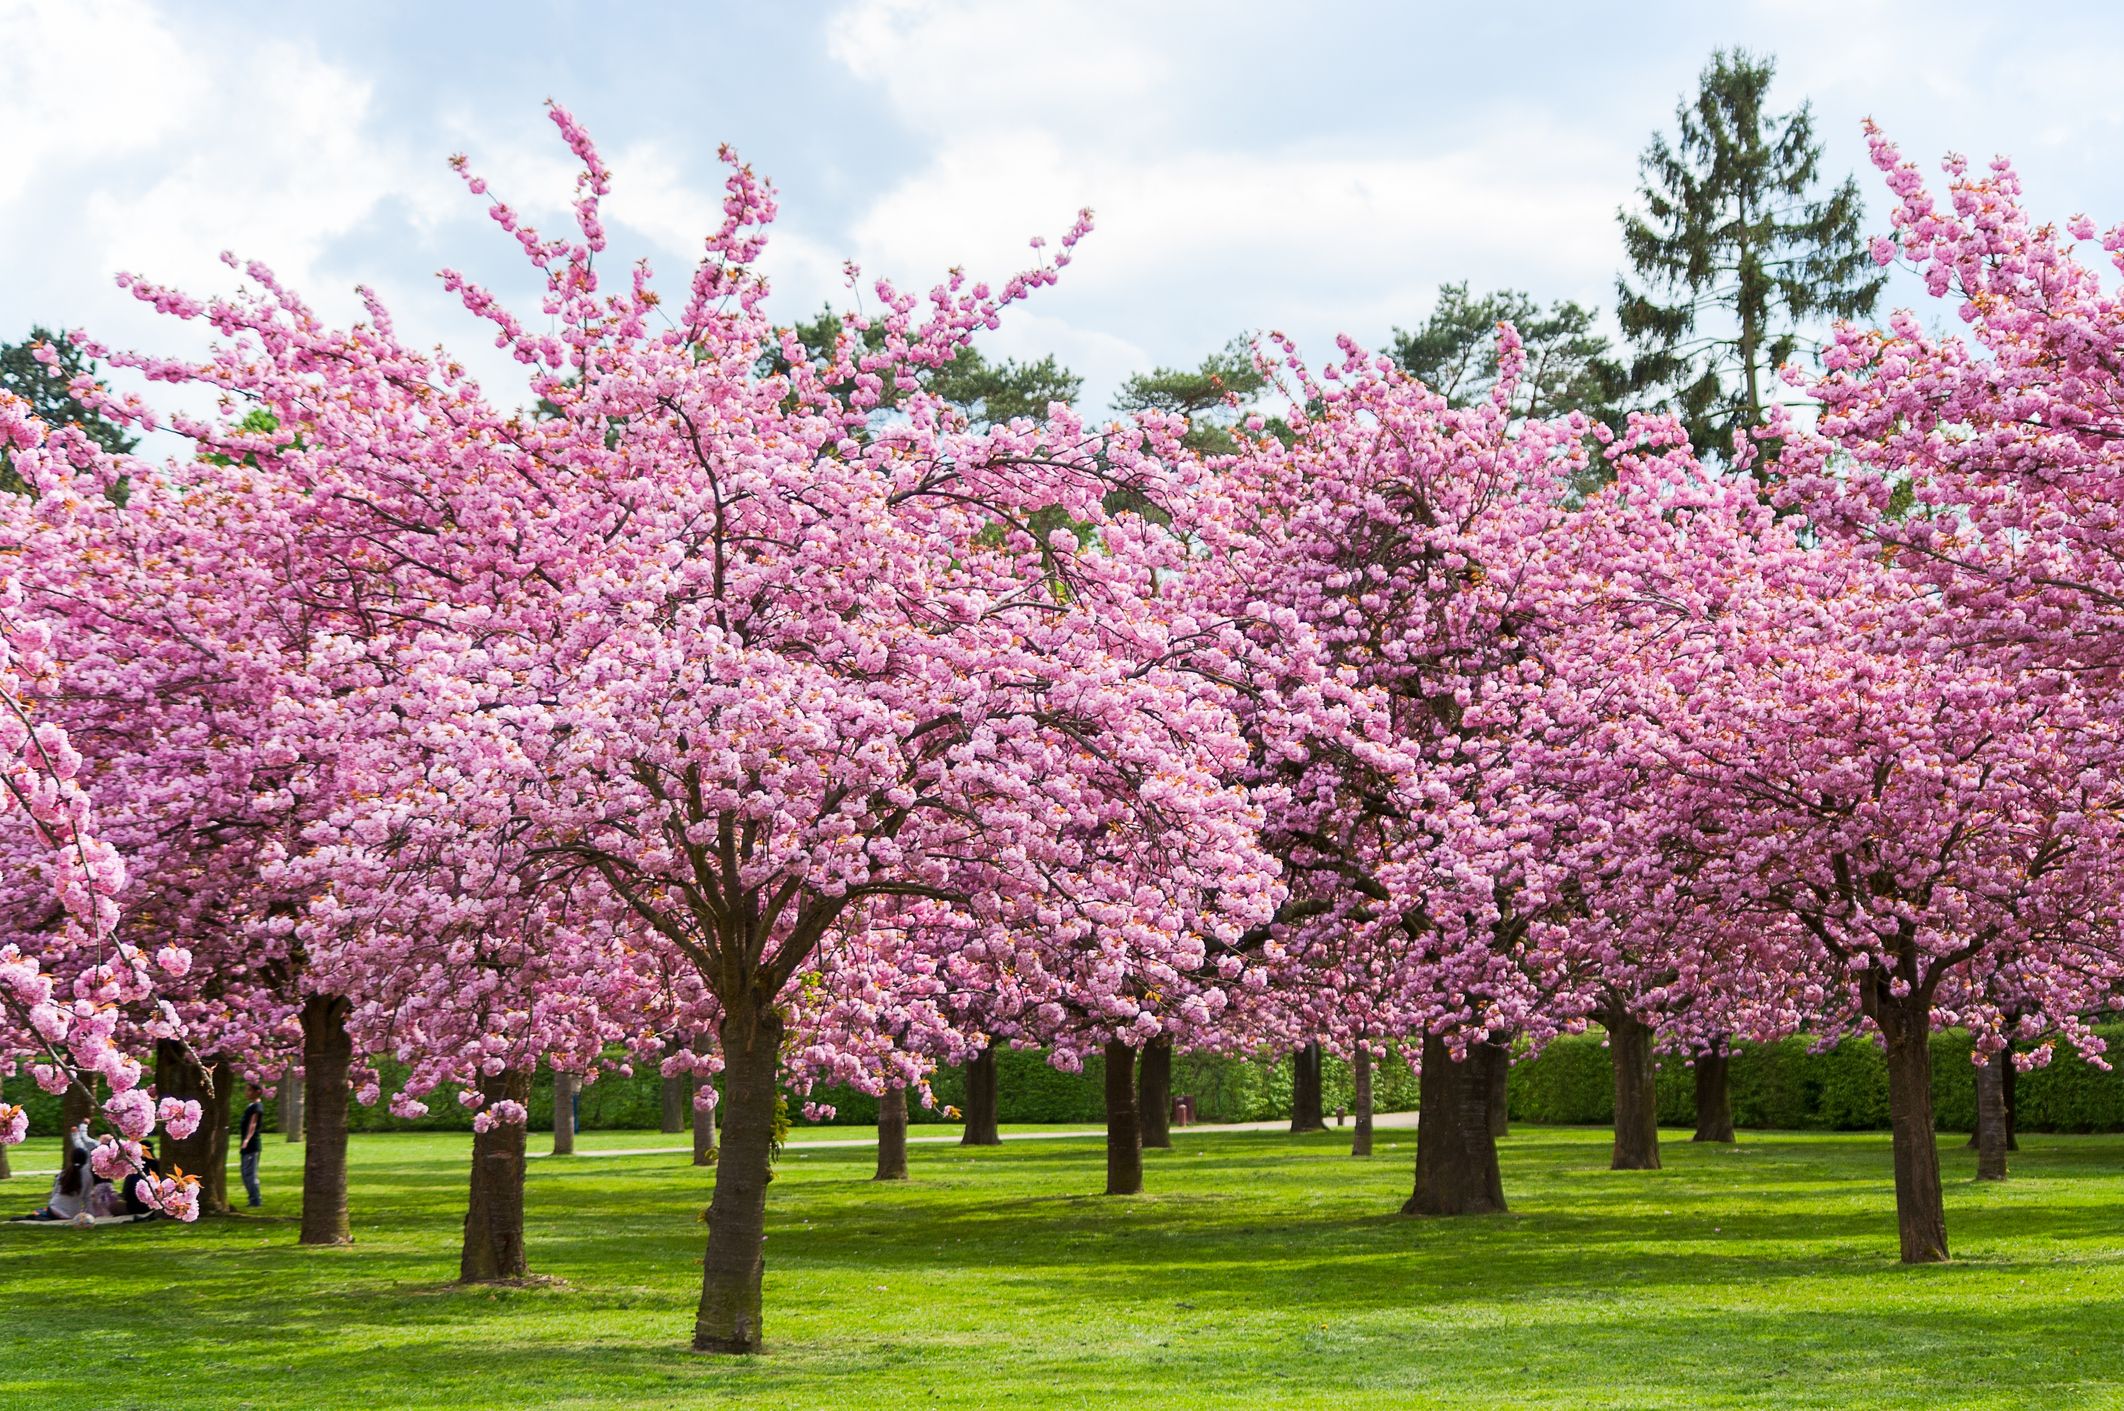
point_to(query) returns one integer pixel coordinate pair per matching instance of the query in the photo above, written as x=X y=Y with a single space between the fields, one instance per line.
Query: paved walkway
x=1382 y=1122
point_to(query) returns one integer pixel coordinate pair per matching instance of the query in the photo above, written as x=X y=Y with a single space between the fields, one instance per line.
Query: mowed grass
x=1260 y=1271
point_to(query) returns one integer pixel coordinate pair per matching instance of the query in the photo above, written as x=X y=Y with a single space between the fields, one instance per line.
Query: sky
x=1311 y=169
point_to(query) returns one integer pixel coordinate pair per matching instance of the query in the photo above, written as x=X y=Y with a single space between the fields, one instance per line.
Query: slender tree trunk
x=1497 y=1072
x=982 y=1128
x=1636 y=1100
x=1124 y=1133
x=291 y=1102
x=1456 y=1155
x=2010 y=1073
x=1154 y=1094
x=1307 y=1113
x=205 y=1153
x=729 y=1316
x=327 y=1053
x=494 y=1216
x=703 y=1128
x=1920 y=1214
x=1714 y=1093
x=674 y=1095
x=1991 y=1118
x=564 y=1086
x=1361 y=1085
x=892 y=1135
x=6 y=1171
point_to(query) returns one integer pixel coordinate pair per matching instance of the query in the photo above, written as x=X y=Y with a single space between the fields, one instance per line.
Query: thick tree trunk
x=6 y=1171
x=703 y=1128
x=676 y=1091
x=982 y=1128
x=564 y=1086
x=205 y=1153
x=1497 y=1071
x=76 y=1105
x=1456 y=1154
x=494 y=1216
x=1307 y=1113
x=291 y=1102
x=1361 y=1093
x=1991 y=1117
x=1636 y=1100
x=327 y=1052
x=1920 y=1215
x=729 y=1316
x=892 y=1135
x=1154 y=1094
x=1124 y=1133
x=1714 y=1094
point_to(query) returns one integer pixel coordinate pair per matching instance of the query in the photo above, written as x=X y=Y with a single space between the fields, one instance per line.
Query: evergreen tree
x=989 y=392
x=1204 y=395
x=1569 y=364
x=45 y=389
x=1736 y=252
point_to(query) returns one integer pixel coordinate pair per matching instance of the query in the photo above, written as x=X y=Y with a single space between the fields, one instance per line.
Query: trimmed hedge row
x=1029 y=1089
x=1784 y=1086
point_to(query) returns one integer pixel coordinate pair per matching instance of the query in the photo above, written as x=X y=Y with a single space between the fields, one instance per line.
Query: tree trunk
x=1636 y=1100
x=729 y=1316
x=982 y=1128
x=892 y=1135
x=2011 y=1073
x=1124 y=1133
x=1307 y=1113
x=1456 y=1154
x=205 y=1153
x=564 y=1088
x=676 y=1091
x=703 y=1127
x=1714 y=1093
x=327 y=1053
x=1497 y=1072
x=1920 y=1215
x=290 y=1095
x=1991 y=1117
x=494 y=1216
x=6 y=1172
x=1154 y=1094
x=1361 y=1085
x=76 y=1105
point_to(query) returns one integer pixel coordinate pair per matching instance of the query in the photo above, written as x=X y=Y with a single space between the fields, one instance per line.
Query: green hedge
x=1029 y=1089
x=1784 y=1086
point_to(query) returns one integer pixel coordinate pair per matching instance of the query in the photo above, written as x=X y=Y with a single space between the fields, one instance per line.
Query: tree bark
x=6 y=1172
x=1991 y=1117
x=76 y=1105
x=703 y=1127
x=676 y=1091
x=982 y=1128
x=1154 y=1094
x=494 y=1215
x=2011 y=1073
x=1361 y=1085
x=291 y=1102
x=205 y=1153
x=1636 y=1100
x=1307 y=1113
x=1497 y=1071
x=1920 y=1214
x=1714 y=1093
x=1456 y=1154
x=892 y=1135
x=327 y=1053
x=564 y=1088
x=729 y=1316
x=1124 y=1133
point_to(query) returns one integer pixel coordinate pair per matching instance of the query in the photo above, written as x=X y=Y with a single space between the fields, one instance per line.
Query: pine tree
x=45 y=389
x=1736 y=254
x=1569 y=364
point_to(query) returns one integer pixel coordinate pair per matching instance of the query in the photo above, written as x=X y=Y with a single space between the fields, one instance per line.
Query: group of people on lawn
x=80 y=1196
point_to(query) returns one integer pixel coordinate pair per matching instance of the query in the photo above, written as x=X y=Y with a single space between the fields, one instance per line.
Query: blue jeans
x=250 y=1173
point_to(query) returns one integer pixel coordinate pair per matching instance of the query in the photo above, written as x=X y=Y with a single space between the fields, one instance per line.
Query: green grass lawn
x=1261 y=1270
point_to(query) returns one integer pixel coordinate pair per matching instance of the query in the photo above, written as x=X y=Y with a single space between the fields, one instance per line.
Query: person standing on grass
x=252 y=1130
